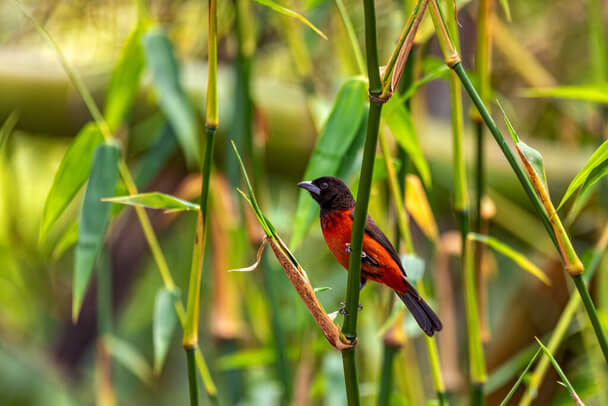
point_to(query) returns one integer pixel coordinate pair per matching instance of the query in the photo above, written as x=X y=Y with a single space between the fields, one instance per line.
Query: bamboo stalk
x=190 y=338
x=551 y=221
x=349 y=327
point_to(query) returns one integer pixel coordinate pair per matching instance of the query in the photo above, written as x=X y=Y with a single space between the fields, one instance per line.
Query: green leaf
x=515 y=256
x=165 y=321
x=399 y=121
x=596 y=174
x=154 y=200
x=93 y=219
x=128 y=356
x=535 y=159
x=278 y=8
x=124 y=82
x=67 y=239
x=8 y=126
x=506 y=8
x=322 y=289
x=520 y=379
x=592 y=93
x=71 y=175
x=163 y=66
x=338 y=134
x=433 y=69
x=508 y=123
x=597 y=160
x=379 y=172
x=558 y=369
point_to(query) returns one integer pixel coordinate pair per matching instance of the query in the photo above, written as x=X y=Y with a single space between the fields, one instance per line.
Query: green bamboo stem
x=552 y=223
x=190 y=338
x=349 y=327
x=386 y=375
x=404 y=230
x=561 y=328
x=192 y=378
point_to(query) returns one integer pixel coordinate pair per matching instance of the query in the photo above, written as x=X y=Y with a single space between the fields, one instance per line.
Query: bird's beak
x=307 y=185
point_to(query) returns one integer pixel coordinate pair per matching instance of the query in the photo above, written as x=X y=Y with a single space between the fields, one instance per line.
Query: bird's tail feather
x=422 y=312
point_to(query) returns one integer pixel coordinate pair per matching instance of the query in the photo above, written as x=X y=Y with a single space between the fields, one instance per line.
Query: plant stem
x=386 y=375
x=192 y=378
x=589 y=306
x=365 y=182
x=190 y=339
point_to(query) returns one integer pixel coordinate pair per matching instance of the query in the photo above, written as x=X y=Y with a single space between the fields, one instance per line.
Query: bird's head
x=330 y=192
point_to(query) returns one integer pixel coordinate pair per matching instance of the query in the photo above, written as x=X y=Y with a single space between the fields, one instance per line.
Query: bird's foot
x=348 y=248
x=342 y=309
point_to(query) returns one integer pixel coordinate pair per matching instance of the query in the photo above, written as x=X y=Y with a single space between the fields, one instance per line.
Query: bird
x=379 y=259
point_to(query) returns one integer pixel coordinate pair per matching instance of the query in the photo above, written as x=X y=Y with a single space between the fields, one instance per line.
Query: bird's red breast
x=337 y=227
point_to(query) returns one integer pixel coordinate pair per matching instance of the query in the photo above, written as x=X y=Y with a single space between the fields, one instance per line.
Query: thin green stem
x=519 y=172
x=365 y=182
x=590 y=307
x=192 y=378
x=386 y=375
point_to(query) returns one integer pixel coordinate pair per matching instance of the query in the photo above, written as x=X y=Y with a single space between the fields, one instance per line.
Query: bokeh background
x=261 y=344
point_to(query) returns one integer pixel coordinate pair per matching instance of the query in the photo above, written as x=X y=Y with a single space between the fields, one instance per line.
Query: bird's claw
x=348 y=248
x=342 y=309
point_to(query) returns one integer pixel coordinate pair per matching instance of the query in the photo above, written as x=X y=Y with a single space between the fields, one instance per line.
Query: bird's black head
x=330 y=192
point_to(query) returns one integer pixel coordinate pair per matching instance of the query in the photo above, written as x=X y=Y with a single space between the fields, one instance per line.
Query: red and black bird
x=380 y=261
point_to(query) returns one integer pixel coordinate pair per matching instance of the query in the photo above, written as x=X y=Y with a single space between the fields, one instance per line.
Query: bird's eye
x=324 y=185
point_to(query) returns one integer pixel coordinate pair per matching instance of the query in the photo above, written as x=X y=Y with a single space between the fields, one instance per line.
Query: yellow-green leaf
x=154 y=200
x=71 y=175
x=592 y=93
x=278 y=8
x=510 y=253
x=597 y=160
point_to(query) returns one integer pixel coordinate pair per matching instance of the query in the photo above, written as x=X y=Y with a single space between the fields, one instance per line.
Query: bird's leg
x=348 y=248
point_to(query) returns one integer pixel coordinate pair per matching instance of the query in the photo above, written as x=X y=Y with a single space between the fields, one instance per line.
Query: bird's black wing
x=372 y=229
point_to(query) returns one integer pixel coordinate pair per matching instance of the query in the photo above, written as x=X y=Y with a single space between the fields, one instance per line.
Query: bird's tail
x=422 y=312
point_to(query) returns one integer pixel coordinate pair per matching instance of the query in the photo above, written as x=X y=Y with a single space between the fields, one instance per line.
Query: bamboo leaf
x=399 y=121
x=566 y=383
x=596 y=174
x=8 y=126
x=597 y=160
x=338 y=135
x=124 y=82
x=71 y=175
x=278 y=8
x=515 y=256
x=154 y=200
x=129 y=357
x=163 y=66
x=94 y=216
x=520 y=379
x=165 y=321
x=506 y=8
x=593 y=93
x=535 y=159
x=419 y=208
x=508 y=122
x=67 y=239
